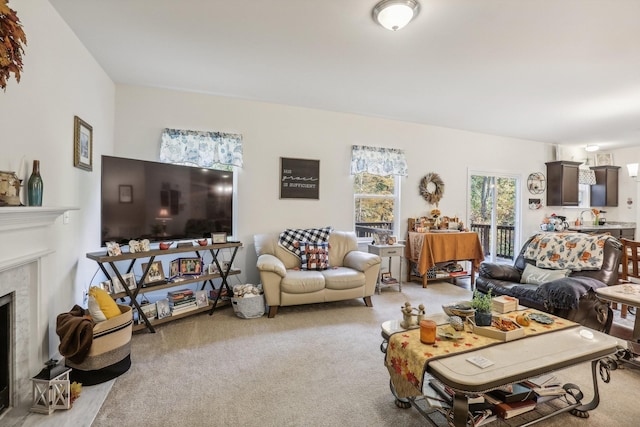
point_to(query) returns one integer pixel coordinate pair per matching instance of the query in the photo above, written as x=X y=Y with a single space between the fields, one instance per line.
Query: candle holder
x=51 y=388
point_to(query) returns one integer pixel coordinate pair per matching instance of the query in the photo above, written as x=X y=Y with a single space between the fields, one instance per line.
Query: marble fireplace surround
x=25 y=253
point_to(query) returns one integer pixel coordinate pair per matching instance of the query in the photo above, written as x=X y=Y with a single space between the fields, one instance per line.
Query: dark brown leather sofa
x=503 y=279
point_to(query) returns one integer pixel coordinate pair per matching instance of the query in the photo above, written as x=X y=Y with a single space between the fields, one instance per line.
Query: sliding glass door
x=493 y=213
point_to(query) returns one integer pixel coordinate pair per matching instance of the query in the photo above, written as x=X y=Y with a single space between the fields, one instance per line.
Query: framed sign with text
x=299 y=178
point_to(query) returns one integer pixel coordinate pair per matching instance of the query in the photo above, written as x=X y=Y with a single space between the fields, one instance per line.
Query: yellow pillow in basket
x=107 y=305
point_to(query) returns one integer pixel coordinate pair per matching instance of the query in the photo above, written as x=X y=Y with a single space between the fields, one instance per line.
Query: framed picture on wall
x=299 y=178
x=82 y=144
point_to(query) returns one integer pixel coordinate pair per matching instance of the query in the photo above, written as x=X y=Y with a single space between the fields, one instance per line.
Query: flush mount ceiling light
x=395 y=14
x=591 y=148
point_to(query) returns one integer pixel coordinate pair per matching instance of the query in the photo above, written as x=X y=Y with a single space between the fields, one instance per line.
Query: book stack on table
x=181 y=301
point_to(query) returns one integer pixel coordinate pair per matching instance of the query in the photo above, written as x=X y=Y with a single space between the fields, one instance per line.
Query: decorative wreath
x=432 y=188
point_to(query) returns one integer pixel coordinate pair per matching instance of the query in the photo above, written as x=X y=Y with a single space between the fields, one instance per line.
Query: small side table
x=388 y=251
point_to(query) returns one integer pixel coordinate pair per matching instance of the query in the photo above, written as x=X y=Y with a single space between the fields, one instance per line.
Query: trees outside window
x=375 y=203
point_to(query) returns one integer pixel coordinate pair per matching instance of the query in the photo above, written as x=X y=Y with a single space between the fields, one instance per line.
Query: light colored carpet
x=314 y=365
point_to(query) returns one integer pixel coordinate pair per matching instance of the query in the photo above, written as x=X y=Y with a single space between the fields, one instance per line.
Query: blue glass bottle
x=34 y=186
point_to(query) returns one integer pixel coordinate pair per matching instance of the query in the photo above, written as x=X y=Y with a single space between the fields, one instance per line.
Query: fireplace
x=5 y=351
x=25 y=261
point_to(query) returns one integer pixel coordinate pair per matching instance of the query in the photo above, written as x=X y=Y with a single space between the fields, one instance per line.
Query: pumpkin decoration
x=432 y=188
x=11 y=40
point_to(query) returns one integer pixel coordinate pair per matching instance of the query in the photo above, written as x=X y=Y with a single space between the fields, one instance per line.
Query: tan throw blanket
x=76 y=334
x=573 y=251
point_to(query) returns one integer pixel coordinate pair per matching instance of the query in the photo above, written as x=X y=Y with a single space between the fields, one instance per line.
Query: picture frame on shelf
x=201 y=298
x=82 y=144
x=155 y=274
x=603 y=159
x=107 y=286
x=163 y=309
x=190 y=266
x=184 y=245
x=117 y=286
x=392 y=240
x=212 y=269
x=113 y=249
x=129 y=281
x=150 y=311
x=218 y=238
x=381 y=238
x=174 y=269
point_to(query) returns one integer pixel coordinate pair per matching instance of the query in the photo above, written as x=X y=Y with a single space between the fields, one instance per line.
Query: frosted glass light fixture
x=591 y=148
x=632 y=169
x=395 y=14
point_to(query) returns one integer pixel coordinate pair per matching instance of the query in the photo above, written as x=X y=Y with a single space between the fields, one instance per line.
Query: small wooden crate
x=505 y=304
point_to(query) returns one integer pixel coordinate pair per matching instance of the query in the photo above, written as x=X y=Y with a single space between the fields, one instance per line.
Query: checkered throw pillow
x=290 y=237
x=314 y=256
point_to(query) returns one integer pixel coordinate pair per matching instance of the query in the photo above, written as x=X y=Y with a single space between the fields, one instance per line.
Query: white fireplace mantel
x=19 y=217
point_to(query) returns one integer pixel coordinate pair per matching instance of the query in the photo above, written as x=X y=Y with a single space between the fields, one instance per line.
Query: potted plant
x=482 y=304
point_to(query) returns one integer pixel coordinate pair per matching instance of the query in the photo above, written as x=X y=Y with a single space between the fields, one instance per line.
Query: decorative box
x=505 y=304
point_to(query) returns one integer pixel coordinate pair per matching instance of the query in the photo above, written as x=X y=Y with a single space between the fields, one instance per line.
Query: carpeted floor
x=313 y=365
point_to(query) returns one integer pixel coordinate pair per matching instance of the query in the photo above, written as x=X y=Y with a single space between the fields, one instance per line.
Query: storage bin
x=249 y=307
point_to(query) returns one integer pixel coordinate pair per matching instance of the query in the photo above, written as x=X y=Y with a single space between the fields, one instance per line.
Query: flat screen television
x=163 y=202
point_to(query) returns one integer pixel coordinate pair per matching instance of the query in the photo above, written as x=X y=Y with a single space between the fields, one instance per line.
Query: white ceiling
x=559 y=71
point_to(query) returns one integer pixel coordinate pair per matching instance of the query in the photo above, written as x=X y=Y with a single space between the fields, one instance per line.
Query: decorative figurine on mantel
x=411 y=319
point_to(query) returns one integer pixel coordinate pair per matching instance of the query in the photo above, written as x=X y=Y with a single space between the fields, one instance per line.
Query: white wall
x=60 y=80
x=272 y=131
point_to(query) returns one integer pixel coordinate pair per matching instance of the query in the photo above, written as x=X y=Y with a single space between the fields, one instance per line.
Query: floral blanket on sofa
x=573 y=251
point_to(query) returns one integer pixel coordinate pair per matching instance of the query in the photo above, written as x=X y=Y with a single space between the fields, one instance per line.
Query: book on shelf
x=182 y=301
x=513 y=393
x=547 y=380
x=458 y=273
x=483 y=417
x=184 y=309
x=389 y=280
x=509 y=410
x=444 y=392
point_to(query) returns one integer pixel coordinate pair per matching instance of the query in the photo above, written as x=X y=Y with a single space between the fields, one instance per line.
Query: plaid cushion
x=290 y=238
x=314 y=256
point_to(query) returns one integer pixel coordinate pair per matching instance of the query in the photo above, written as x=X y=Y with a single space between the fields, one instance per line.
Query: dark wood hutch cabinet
x=562 y=183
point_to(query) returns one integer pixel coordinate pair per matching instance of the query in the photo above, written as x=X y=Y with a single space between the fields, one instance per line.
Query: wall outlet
x=85 y=297
x=65 y=217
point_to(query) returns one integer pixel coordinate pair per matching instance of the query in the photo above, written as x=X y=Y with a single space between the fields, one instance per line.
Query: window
x=376 y=199
x=376 y=188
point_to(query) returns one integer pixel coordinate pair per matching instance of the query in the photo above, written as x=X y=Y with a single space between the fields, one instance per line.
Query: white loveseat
x=352 y=273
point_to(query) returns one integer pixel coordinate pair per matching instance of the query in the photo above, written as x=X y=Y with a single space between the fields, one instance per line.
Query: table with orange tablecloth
x=427 y=249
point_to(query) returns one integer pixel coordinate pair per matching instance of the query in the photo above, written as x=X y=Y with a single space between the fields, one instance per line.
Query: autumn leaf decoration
x=12 y=39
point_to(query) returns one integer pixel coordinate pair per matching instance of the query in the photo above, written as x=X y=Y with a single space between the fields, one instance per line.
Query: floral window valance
x=204 y=149
x=378 y=161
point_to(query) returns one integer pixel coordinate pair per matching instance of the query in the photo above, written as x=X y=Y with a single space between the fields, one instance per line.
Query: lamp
x=632 y=169
x=395 y=14
x=591 y=148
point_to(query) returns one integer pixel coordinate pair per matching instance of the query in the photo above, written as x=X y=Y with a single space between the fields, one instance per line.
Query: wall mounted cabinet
x=562 y=183
x=605 y=190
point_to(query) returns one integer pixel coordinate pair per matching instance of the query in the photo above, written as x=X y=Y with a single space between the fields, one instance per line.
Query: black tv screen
x=163 y=202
